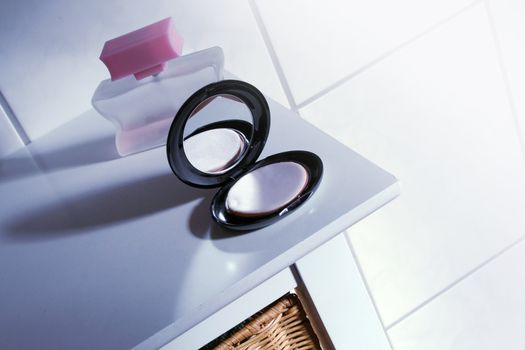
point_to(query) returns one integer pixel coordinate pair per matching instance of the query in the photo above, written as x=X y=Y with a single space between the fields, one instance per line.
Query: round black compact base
x=314 y=167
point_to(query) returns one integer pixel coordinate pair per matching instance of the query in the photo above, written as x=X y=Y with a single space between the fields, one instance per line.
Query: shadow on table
x=107 y=206
x=20 y=164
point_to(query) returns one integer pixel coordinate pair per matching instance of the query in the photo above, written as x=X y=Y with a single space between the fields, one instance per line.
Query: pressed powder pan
x=251 y=194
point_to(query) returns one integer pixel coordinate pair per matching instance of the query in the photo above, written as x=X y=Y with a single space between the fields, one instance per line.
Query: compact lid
x=142 y=52
x=240 y=93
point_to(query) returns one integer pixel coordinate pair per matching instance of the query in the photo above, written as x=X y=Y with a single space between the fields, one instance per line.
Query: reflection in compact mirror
x=217 y=134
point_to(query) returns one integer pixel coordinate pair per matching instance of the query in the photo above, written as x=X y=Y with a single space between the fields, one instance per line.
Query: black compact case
x=256 y=133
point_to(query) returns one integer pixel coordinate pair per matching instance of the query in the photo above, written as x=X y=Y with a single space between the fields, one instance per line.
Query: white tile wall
x=483 y=312
x=437 y=115
x=50 y=49
x=319 y=42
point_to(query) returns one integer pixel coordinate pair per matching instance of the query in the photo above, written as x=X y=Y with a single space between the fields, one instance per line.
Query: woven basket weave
x=281 y=326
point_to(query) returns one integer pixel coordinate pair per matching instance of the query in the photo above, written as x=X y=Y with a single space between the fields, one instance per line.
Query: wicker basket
x=280 y=326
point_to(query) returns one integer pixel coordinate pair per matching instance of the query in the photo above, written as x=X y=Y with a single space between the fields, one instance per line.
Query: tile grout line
x=273 y=55
x=455 y=283
x=19 y=129
x=365 y=282
x=504 y=72
x=385 y=55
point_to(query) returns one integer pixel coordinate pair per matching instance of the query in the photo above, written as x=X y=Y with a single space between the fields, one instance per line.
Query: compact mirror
x=217 y=134
x=220 y=130
x=215 y=141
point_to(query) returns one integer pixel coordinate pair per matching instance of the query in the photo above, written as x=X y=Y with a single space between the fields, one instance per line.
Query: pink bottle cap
x=143 y=52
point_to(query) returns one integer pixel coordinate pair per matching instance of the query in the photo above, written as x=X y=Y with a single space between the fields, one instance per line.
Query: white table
x=102 y=252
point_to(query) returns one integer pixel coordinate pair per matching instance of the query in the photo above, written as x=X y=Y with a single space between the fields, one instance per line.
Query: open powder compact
x=215 y=140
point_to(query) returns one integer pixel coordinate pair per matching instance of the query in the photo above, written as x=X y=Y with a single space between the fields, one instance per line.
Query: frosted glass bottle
x=149 y=83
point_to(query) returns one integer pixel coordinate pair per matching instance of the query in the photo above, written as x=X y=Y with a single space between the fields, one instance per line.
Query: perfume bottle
x=149 y=83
